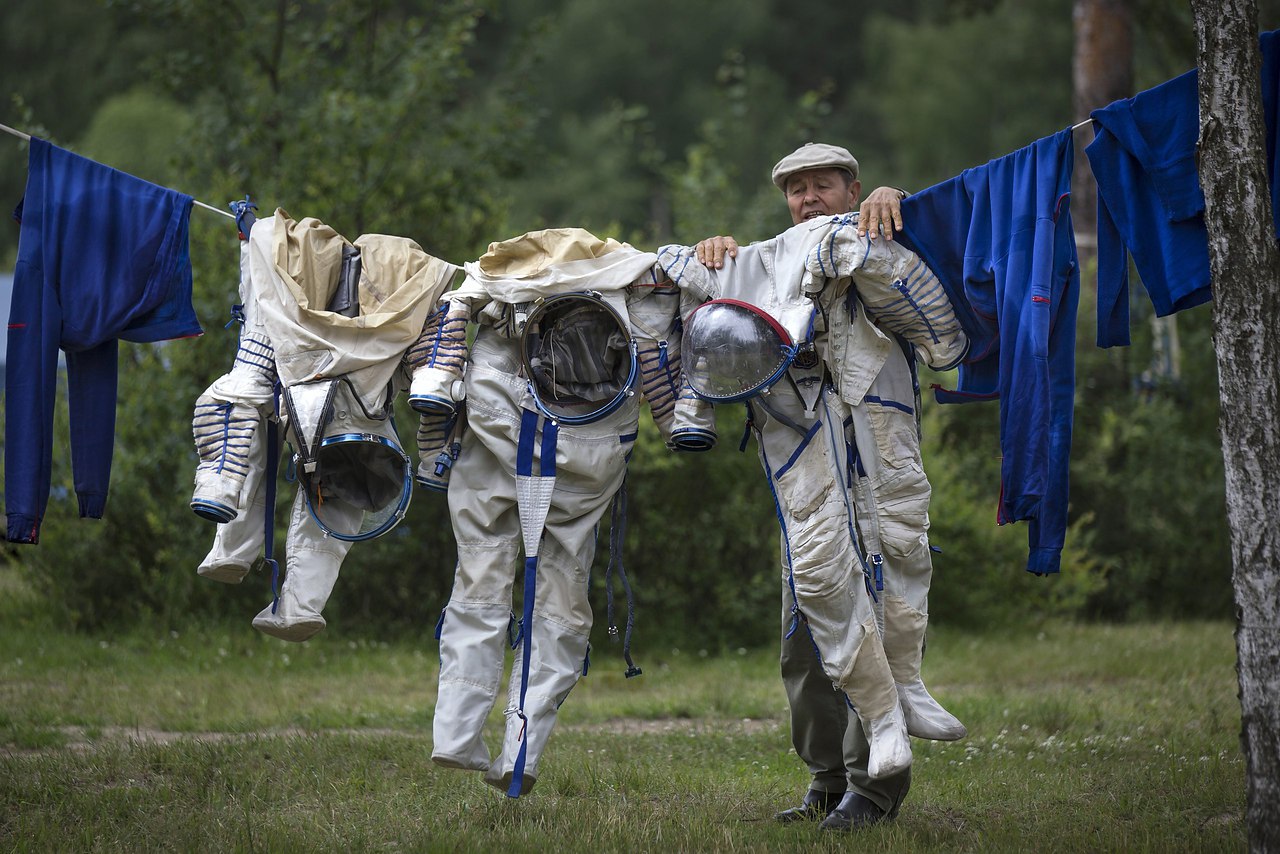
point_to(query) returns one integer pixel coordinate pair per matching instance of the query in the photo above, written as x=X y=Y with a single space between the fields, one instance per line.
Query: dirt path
x=80 y=739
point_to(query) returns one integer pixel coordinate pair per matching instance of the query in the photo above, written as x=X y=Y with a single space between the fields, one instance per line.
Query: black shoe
x=853 y=812
x=815 y=806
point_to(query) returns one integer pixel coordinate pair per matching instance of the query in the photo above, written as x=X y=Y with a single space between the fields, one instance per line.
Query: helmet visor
x=360 y=488
x=733 y=350
x=578 y=357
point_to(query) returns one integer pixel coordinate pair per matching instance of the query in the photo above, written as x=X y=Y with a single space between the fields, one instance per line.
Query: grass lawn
x=1082 y=738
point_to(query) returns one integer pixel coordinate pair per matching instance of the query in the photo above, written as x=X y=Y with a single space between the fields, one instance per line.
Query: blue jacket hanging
x=1149 y=199
x=999 y=238
x=102 y=255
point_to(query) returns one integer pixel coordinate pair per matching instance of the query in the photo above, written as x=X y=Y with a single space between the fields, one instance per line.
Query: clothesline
x=27 y=137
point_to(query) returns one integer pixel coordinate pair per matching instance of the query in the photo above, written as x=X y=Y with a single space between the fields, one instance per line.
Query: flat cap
x=814 y=155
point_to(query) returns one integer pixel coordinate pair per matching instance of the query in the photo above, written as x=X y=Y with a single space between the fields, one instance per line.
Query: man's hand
x=881 y=213
x=712 y=251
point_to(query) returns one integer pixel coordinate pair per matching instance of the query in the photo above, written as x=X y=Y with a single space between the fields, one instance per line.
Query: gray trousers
x=827 y=736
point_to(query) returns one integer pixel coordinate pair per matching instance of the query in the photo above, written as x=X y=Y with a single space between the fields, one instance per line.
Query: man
x=821 y=181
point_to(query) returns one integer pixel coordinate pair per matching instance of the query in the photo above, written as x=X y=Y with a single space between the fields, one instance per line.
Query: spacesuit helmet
x=579 y=357
x=354 y=475
x=733 y=350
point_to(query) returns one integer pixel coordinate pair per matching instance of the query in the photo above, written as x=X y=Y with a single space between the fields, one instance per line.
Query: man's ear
x=855 y=195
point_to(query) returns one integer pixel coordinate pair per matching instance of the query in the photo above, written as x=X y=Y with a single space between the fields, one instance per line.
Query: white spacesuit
x=802 y=389
x=891 y=489
x=332 y=321
x=551 y=416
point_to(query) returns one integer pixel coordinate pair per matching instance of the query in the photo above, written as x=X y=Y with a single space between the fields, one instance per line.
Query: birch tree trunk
x=1245 y=269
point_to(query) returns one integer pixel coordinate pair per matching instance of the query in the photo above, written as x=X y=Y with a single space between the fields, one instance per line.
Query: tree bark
x=1245 y=269
x=1102 y=72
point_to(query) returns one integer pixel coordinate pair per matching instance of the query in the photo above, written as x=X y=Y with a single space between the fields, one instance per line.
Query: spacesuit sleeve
x=899 y=292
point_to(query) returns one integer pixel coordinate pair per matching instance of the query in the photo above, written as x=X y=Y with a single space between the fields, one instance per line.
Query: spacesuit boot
x=472 y=648
x=925 y=716
x=868 y=688
x=558 y=657
x=312 y=560
x=236 y=545
x=890 y=747
x=904 y=629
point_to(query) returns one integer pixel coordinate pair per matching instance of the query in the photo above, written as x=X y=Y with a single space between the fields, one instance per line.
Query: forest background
x=461 y=123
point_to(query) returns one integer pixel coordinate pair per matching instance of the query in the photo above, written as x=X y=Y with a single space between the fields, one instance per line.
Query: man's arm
x=880 y=213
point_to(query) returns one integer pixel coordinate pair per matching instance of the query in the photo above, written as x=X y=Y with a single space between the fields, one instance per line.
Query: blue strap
x=786 y=545
x=524 y=449
x=873 y=564
x=449 y=453
x=524 y=466
x=806 y=438
x=515 y=631
x=608 y=572
x=237 y=316
x=243 y=211
x=530 y=586
x=746 y=428
x=269 y=513
x=550 y=433
x=617 y=531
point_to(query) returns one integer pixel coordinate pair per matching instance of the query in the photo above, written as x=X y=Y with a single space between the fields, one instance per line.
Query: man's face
x=821 y=192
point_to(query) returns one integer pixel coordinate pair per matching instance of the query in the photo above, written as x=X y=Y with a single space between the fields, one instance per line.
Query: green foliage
x=359 y=114
x=1148 y=465
x=63 y=58
x=626 y=135
x=363 y=114
x=1147 y=533
x=714 y=190
x=597 y=197
x=458 y=123
x=702 y=543
x=139 y=132
x=137 y=564
x=955 y=98
x=979 y=575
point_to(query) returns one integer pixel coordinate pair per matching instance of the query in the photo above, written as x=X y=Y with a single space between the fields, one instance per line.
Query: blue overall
x=101 y=256
x=999 y=238
x=1149 y=199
